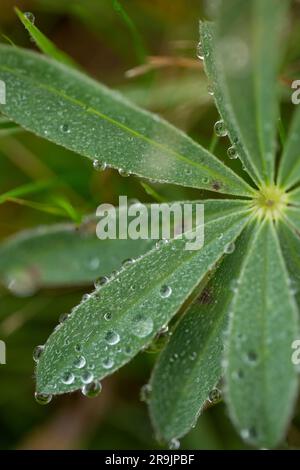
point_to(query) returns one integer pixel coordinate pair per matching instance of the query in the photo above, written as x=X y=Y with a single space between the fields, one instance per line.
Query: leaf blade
x=101 y=125
x=242 y=59
x=190 y=365
x=163 y=279
x=263 y=325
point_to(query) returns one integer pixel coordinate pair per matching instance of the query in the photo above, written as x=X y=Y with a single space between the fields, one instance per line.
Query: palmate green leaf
x=118 y=320
x=72 y=110
x=43 y=43
x=63 y=255
x=190 y=365
x=289 y=169
x=242 y=54
x=261 y=380
x=290 y=245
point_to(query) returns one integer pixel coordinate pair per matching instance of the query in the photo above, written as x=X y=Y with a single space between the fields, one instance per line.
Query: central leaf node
x=270 y=202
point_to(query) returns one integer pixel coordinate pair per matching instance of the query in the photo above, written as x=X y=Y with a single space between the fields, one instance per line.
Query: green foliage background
x=107 y=45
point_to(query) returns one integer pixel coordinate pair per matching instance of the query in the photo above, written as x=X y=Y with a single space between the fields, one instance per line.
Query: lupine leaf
x=290 y=244
x=261 y=380
x=190 y=365
x=122 y=317
x=72 y=110
x=244 y=81
x=289 y=170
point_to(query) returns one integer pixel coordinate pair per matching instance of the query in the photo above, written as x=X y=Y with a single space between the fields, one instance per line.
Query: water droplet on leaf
x=38 y=352
x=232 y=153
x=92 y=389
x=229 y=248
x=108 y=363
x=165 y=291
x=142 y=326
x=112 y=338
x=42 y=398
x=68 y=378
x=87 y=377
x=30 y=16
x=220 y=129
x=79 y=362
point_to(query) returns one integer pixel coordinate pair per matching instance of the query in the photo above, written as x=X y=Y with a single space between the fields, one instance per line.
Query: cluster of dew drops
x=144 y=327
x=219 y=127
x=91 y=388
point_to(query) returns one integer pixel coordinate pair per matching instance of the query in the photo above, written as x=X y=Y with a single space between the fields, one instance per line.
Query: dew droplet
x=161 y=243
x=210 y=90
x=174 y=444
x=214 y=396
x=142 y=326
x=165 y=291
x=42 y=398
x=37 y=353
x=63 y=317
x=30 y=16
x=65 y=128
x=78 y=348
x=92 y=389
x=98 y=165
x=229 y=248
x=112 y=338
x=232 y=153
x=101 y=282
x=251 y=357
x=123 y=173
x=79 y=362
x=68 y=378
x=87 y=377
x=205 y=180
x=108 y=363
x=128 y=350
x=145 y=393
x=107 y=316
x=127 y=262
x=220 y=129
x=200 y=51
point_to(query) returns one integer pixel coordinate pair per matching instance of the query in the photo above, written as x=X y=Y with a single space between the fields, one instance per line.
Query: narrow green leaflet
x=43 y=43
x=44 y=257
x=29 y=188
x=242 y=55
x=289 y=170
x=190 y=366
x=116 y=321
x=290 y=244
x=261 y=380
x=72 y=110
x=62 y=255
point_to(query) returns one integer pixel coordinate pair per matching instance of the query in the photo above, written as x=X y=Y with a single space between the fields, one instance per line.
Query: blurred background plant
x=147 y=50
